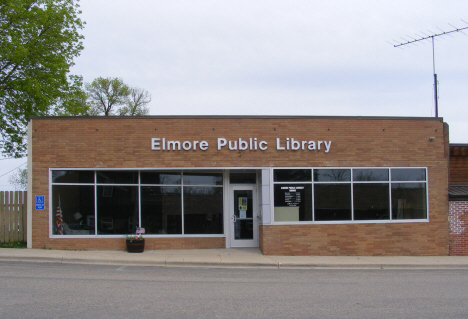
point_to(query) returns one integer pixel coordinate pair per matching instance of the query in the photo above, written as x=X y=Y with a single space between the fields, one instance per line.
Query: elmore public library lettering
x=289 y=185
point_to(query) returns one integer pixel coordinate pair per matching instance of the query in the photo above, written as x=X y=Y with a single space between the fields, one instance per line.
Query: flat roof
x=239 y=117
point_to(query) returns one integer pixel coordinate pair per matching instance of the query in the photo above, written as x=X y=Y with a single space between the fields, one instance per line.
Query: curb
x=275 y=265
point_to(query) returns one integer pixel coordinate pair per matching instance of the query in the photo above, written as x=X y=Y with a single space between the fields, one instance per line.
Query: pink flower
x=136 y=237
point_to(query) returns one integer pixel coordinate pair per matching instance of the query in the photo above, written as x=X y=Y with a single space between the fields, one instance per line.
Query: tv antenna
x=430 y=37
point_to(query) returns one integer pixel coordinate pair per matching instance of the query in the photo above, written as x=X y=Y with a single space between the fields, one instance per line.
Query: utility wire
x=13 y=169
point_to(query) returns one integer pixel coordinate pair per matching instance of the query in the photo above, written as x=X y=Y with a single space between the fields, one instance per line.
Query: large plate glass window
x=72 y=205
x=161 y=209
x=292 y=175
x=161 y=178
x=408 y=193
x=332 y=202
x=72 y=177
x=116 y=202
x=350 y=194
x=371 y=201
x=195 y=178
x=117 y=209
x=117 y=177
x=332 y=175
x=371 y=194
x=293 y=202
x=203 y=210
x=73 y=210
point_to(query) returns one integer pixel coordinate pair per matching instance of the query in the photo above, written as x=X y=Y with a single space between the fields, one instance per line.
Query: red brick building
x=458 y=199
x=289 y=185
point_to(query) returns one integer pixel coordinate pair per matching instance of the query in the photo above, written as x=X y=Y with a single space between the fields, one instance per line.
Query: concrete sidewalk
x=229 y=258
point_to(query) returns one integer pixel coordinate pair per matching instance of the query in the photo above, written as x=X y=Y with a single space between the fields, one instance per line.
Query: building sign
x=242 y=207
x=250 y=144
x=292 y=195
x=39 y=202
x=242 y=203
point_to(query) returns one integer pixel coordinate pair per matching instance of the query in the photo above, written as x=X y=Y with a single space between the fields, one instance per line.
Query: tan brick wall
x=356 y=142
x=119 y=243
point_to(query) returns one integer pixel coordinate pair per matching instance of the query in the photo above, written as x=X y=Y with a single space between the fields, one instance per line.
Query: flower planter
x=135 y=246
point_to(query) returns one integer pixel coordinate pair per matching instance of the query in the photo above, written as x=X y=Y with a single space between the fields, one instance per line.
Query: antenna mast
x=431 y=36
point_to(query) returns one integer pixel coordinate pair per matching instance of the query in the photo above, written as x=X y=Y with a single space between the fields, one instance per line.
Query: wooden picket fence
x=12 y=216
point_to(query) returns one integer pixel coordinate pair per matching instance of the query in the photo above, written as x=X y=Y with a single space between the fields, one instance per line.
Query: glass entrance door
x=244 y=221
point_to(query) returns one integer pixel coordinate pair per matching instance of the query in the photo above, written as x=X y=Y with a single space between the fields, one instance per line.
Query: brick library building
x=289 y=185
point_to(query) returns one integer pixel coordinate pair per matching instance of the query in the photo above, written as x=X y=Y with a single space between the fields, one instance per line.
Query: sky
x=314 y=58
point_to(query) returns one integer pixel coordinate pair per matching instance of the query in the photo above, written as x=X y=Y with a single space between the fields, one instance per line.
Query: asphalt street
x=52 y=290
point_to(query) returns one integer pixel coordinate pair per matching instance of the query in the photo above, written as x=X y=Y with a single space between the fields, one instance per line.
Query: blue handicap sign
x=39 y=201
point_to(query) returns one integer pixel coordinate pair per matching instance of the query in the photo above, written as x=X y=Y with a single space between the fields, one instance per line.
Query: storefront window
x=117 y=209
x=409 y=201
x=332 y=202
x=203 y=179
x=332 y=175
x=293 y=202
x=371 y=201
x=367 y=175
x=72 y=177
x=292 y=175
x=117 y=177
x=408 y=174
x=203 y=210
x=72 y=210
x=162 y=202
x=161 y=210
x=165 y=178
x=350 y=194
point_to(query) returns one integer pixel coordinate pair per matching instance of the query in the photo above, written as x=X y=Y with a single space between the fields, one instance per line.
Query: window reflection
x=364 y=175
x=409 y=201
x=74 y=205
x=203 y=210
x=292 y=175
x=332 y=202
x=203 y=179
x=371 y=201
x=332 y=175
x=117 y=177
x=72 y=177
x=408 y=174
x=370 y=195
x=117 y=211
x=118 y=202
x=167 y=178
x=161 y=210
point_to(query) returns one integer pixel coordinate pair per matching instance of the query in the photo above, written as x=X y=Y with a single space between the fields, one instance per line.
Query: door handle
x=235 y=218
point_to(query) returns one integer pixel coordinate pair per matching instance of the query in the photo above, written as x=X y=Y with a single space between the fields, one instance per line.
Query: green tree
x=111 y=96
x=19 y=179
x=75 y=102
x=136 y=103
x=39 y=40
x=106 y=94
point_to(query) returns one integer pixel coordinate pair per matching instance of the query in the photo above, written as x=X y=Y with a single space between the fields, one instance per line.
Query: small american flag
x=59 y=220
